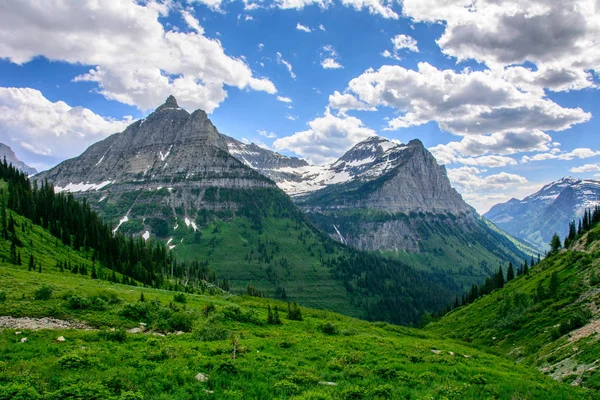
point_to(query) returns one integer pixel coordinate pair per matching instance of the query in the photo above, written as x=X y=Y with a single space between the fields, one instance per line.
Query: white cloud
x=405 y=42
x=375 y=7
x=214 y=5
x=488 y=161
x=284 y=99
x=260 y=46
x=281 y=61
x=388 y=54
x=558 y=37
x=326 y=139
x=580 y=153
x=330 y=63
x=268 y=135
x=482 y=192
x=586 y=168
x=321 y=27
x=303 y=28
x=291 y=117
x=465 y=103
x=329 y=58
x=346 y=101
x=136 y=61
x=48 y=132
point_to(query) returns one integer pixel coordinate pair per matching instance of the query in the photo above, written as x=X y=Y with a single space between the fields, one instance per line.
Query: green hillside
x=324 y=356
x=547 y=319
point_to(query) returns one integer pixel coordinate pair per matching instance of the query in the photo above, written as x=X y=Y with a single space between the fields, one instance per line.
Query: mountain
x=538 y=216
x=395 y=199
x=547 y=318
x=172 y=176
x=7 y=153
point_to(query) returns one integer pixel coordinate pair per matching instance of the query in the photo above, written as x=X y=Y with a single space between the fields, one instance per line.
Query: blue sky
x=504 y=94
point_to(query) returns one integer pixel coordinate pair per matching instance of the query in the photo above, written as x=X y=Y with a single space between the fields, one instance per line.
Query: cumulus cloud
x=281 y=61
x=268 y=135
x=326 y=139
x=330 y=63
x=556 y=154
x=465 y=103
x=381 y=8
x=559 y=37
x=346 y=102
x=303 y=28
x=586 y=168
x=136 y=60
x=482 y=192
x=284 y=99
x=46 y=132
x=405 y=42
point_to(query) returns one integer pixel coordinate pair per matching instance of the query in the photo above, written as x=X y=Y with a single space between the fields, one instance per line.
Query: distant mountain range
x=538 y=216
x=175 y=169
x=11 y=158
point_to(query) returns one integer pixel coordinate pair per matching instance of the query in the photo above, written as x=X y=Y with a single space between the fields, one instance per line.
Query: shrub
x=139 y=311
x=76 y=302
x=43 y=293
x=211 y=333
x=304 y=378
x=384 y=392
x=181 y=321
x=73 y=361
x=131 y=396
x=179 y=298
x=208 y=308
x=354 y=392
x=226 y=368
x=287 y=388
x=118 y=335
x=329 y=329
x=82 y=390
x=18 y=391
x=3 y=296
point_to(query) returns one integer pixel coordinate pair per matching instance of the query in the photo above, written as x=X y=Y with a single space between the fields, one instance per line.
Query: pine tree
x=500 y=278
x=94 y=273
x=510 y=273
x=555 y=243
x=142 y=298
x=40 y=268
x=276 y=319
x=294 y=312
x=553 y=288
x=31 y=266
x=525 y=269
x=19 y=262
x=270 y=319
x=13 y=254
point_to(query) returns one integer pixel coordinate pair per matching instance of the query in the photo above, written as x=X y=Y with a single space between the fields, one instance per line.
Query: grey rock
x=538 y=216
x=11 y=158
x=201 y=377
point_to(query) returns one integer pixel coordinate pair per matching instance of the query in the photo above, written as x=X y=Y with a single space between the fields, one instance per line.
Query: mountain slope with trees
x=547 y=316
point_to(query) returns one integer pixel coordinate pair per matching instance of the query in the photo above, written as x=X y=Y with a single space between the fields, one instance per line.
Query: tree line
x=75 y=224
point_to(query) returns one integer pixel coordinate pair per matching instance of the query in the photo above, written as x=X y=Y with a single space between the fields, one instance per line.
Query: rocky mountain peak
x=169 y=104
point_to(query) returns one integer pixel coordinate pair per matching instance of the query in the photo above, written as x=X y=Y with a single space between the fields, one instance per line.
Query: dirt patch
x=39 y=323
x=585 y=331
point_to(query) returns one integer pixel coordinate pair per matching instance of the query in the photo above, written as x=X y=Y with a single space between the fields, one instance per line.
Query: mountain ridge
x=7 y=153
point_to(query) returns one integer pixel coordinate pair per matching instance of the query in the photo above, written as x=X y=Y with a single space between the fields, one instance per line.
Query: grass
x=364 y=360
x=541 y=330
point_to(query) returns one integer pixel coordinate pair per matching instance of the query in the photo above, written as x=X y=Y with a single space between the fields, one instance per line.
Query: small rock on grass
x=60 y=339
x=23 y=340
x=201 y=377
x=327 y=383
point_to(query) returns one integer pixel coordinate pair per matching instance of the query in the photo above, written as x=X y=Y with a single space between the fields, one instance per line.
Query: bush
x=181 y=321
x=354 y=392
x=76 y=302
x=287 y=388
x=131 y=396
x=43 y=293
x=227 y=368
x=18 y=391
x=79 y=391
x=3 y=296
x=180 y=298
x=212 y=333
x=118 y=335
x=329 y=329
x=73 y=361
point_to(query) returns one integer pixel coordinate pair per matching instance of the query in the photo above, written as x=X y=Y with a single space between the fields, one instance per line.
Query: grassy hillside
x=324 y=356
x=548 y=318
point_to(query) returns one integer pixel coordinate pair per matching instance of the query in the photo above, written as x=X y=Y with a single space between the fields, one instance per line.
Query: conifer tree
x=553 y=288
x=13 y=254
x=31 y=266
x=276 y=319
x=142 y=298
x=510 y=273
x=19 y=262
x=40 y=268
x=555 y=243
x=500 y=278
x=94 y=273
x=270 y=319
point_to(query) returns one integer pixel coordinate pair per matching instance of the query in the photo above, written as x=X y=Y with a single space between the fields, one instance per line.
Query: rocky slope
x=7 y=153
x=396 y=199
x=538 y=216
